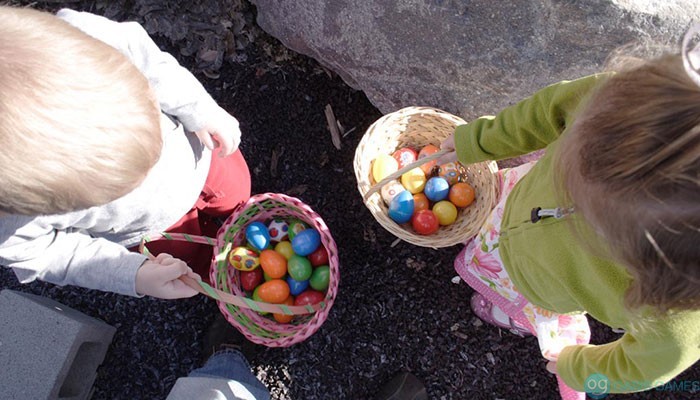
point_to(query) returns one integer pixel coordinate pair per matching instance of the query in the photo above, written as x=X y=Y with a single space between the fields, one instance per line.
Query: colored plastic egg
x=299 y=268
x=257 y=236
x=285 y=318
x=295 y=286
x=278 y=230
x=383 y=166
x=285 y=248
x=320 y=278
x=309 y=296
x=436 y=189
x=251 y=279
x=425 y=222
x=274 y=291
x=424 y=152
x=391 y=189
x=243 y=259
x=256 y=297
x=414 y=180
x=461 y=194
x=401 y=207
x=296 y=226
x=445 y=212
x=450 y=172
x=306 y=241
x=319 y=256
x=420 y=202
x=405 y=156
x=273 y=263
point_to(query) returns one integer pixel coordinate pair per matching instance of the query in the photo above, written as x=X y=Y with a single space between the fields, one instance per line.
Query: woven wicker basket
x=254 y=326
x=417 y=127
x=241 y=311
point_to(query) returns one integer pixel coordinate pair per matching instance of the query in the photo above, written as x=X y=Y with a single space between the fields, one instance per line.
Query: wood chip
x=333 y=126
x=274 y=160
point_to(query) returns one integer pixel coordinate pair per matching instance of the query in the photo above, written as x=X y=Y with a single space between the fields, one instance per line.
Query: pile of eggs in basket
x=284 y=262
x=427 y=196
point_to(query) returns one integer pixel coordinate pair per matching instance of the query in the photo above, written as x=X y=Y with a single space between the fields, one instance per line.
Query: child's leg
x=228 y=184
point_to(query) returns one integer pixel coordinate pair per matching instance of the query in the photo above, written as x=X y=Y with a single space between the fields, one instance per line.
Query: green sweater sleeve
x=529 y=125
x=646 y=356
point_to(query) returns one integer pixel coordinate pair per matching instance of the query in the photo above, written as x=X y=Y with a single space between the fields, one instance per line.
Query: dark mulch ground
x=396 y=308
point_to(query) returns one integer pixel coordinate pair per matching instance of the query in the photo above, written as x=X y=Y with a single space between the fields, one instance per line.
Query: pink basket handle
x=218 y=295
x=403 y=170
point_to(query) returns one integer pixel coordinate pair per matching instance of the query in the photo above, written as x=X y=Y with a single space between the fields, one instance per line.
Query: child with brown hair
x=104 y=139
x=607 y=223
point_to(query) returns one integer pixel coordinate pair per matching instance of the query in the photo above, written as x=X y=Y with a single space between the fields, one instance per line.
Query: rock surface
x=466 y=57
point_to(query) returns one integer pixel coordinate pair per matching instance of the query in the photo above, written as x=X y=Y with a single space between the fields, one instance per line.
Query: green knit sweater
x=552 y=268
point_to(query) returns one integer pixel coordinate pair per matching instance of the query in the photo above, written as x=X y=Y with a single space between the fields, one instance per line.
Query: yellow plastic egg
x=445 y=212
x=243 y=259
x=414 y=180
x=383 y=166
x=285 y=248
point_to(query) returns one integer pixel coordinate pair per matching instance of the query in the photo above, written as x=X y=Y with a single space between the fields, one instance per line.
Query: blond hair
x=80 y=125
x=631 y=166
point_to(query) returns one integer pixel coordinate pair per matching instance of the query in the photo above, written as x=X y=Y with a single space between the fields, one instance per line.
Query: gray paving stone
x=48 y=350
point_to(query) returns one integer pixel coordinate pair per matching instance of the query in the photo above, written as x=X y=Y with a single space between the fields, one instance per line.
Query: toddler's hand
x=159 y=278
x=448 y=144
x=224 y=130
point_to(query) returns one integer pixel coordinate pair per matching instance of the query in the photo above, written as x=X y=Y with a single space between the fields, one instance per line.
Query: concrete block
x=48 y=350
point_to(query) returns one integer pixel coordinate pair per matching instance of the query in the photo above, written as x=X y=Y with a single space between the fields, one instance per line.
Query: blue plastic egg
x=295 y=286
x=306 y=241
x=437 y=189
x=257 y=236
x=401 y=207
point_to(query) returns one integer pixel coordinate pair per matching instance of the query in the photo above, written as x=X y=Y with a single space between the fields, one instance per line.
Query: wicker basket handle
x=218 y=295
x=374 y=189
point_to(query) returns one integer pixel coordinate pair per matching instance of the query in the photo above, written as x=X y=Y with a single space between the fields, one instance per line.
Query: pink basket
x=246 y=318
x=241 y=311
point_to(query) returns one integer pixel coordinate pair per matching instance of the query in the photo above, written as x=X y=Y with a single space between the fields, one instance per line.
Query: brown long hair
x=631 y=166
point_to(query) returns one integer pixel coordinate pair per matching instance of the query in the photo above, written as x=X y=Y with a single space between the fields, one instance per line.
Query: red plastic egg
x=309 y=297
x=251 y=279
x=405 y=156
x=425 y=222
x=319 y=256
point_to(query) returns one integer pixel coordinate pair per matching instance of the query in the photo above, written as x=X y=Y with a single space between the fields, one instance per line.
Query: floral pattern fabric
x=480 y=265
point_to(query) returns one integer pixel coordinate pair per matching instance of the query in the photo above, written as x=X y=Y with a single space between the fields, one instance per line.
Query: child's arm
x=529 y=125
x=179 y=93
x=640 y=360
x=72 y=257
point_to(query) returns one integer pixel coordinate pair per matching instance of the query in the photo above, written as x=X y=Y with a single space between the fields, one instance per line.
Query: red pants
x=227 y=185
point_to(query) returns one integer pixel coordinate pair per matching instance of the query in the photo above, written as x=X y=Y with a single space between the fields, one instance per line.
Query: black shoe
x=222 y=336
x=403 y=386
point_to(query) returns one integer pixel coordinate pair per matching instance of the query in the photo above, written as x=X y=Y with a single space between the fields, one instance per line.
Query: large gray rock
x=466 y=57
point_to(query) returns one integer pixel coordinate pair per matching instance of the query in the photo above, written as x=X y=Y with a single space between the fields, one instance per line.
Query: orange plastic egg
x=424 y=152
x=420 y=202
x=461 y=194
x=273 y=263
x=284 y=318
x=274 y=291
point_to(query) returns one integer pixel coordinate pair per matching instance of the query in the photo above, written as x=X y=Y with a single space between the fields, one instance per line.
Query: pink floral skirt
x=480 y=265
